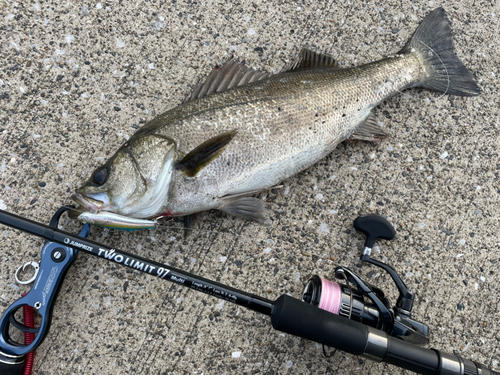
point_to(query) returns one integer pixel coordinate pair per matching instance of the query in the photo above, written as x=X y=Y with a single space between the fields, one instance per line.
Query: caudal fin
x=444 y=72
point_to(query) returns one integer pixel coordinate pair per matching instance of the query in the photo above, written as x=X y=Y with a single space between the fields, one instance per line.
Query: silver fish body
x=215 y=150
x=285 y=124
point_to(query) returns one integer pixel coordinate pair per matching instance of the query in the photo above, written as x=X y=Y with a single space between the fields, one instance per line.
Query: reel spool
x=340 y=299
x=364 y=302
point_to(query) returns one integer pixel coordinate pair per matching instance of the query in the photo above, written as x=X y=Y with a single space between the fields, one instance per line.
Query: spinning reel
x=360 y=301
x=373 y=330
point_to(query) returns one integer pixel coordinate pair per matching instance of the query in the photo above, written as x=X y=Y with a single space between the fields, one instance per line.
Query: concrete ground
x=78 y=78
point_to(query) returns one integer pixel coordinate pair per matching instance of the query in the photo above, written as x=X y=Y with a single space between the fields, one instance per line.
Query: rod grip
x=298 y=318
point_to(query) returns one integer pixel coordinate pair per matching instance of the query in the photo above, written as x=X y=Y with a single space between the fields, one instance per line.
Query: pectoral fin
x=369 y=130
x=205 y=153
x=248 y=208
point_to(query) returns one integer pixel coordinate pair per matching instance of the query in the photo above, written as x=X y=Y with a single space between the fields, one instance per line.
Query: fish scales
x=232 y=138
x=299 y=116
x=325 y=91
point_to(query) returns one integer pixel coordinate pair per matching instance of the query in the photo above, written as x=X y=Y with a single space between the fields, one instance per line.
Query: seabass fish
x=244 y=131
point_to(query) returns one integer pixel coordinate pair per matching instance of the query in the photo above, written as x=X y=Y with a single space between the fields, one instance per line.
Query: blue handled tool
x=55 y=262
x=355 y=320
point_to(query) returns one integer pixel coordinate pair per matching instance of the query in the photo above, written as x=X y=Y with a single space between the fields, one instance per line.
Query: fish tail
x=443 y=71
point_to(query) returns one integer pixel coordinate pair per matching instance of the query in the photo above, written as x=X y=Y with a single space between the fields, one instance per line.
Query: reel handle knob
x=374 y=227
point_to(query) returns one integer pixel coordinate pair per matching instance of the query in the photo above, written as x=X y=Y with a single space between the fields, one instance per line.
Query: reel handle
x=374 y=226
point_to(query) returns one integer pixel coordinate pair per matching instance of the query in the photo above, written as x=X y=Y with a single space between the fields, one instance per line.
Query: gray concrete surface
x=78 y=78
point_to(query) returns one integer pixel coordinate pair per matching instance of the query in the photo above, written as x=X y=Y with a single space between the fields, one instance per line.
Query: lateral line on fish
x=225 y=106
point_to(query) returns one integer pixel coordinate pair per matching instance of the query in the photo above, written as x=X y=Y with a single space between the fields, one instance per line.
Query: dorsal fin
x=233 y=73
x=311 y=59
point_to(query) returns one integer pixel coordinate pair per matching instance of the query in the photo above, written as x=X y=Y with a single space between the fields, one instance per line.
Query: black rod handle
x=298 y=318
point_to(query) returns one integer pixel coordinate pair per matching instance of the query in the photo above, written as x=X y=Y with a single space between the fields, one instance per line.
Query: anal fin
x=369 y=130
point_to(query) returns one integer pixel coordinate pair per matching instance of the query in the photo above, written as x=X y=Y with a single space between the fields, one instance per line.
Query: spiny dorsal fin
x=233 y=73
x=311 y=59
x=369 y=130
x=204 y=154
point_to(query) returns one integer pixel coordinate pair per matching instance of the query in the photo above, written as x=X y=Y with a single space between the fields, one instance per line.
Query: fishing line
x=162 y=225
x=201 y=230
x=333 y=291
x=177 y=228
x=444 y=66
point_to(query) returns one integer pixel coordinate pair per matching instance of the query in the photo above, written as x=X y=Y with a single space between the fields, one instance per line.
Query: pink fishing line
x=330 y=296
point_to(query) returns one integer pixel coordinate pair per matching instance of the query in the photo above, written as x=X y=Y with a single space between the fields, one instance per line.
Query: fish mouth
x=89 y=203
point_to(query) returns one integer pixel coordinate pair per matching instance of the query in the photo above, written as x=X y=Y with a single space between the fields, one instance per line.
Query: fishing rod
x=354 y=317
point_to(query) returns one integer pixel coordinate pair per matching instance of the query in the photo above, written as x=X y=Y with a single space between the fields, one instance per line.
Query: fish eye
x=99 y=177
